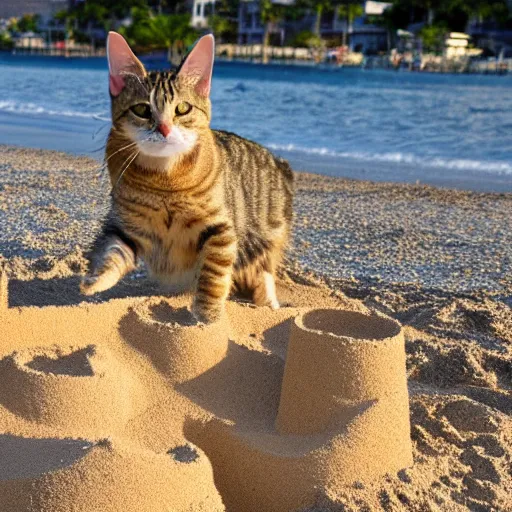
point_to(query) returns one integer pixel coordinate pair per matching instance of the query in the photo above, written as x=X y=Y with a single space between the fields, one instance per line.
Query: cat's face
x=162 y=114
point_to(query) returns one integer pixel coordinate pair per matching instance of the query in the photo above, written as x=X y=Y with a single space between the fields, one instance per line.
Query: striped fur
x=214 y=218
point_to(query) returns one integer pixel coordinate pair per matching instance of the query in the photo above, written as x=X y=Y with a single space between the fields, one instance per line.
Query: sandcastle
x=129 y=405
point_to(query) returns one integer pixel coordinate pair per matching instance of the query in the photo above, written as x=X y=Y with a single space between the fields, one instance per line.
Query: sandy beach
x=99 y=411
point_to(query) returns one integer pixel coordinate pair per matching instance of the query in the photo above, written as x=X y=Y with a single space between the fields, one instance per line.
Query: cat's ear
x=196 y=70
x=121 y=61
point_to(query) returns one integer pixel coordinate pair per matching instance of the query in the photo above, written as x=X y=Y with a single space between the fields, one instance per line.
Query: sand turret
x=341 y=359
x=175 y=343
x=105 y=476
x=343 y=416
x=80 y=390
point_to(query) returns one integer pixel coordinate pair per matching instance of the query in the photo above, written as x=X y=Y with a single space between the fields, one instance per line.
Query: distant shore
x=290 y=56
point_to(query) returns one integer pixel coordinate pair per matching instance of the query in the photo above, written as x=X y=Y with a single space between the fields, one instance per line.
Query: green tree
x=349 y=10
x=307 y=39
x=270 y=14
x=222 y=27
x=433 y=37
x=6 y=42
x=172 y=32
x=453 y=13
x=224 y=22
x=27 y=23
x=319 y=7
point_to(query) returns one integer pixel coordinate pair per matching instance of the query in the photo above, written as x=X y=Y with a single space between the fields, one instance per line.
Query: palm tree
x=270 y=14
x=172 y=32
x=349 y=10
x=320 y=6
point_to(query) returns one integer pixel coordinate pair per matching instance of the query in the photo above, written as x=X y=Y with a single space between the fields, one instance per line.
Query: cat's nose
x=164 y=129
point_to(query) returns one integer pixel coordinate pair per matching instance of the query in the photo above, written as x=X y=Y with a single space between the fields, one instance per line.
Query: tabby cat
x=201 y=207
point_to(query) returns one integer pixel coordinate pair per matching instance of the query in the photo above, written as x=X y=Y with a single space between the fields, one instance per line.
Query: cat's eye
x=142 y=110
x=183 y=108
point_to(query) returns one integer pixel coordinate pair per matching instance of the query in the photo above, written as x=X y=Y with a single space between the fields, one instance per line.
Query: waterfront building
x=201 y=11
x=362 y=35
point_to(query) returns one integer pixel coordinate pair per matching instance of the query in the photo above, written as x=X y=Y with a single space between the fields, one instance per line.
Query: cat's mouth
x=177 y=142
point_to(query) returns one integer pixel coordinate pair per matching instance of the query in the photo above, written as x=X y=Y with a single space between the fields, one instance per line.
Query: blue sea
x=452 y=130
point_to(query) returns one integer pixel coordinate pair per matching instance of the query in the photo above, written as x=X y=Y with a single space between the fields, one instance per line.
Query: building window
x=208 y=9
x=198 y=9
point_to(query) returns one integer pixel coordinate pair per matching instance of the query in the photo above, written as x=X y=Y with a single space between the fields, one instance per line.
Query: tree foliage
x=6 y=42
x=433 y=37
x=161 y=31
x=222 y=27
x=454 y=14
x=158 y=23
x=27 y=23
x=306 y=39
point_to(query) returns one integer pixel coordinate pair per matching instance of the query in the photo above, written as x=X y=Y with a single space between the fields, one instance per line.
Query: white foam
x=32 y=108
x=404 y=158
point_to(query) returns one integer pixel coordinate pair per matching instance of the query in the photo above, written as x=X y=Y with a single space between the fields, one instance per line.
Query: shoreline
x=85 y=136
x=481 y=67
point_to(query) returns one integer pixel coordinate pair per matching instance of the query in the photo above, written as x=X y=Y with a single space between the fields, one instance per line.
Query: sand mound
x=75 y=389
x=131 y=405
x=86 y=477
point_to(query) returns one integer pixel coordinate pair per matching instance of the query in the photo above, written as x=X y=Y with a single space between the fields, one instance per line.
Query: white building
x=376 y=8
x=201 y=11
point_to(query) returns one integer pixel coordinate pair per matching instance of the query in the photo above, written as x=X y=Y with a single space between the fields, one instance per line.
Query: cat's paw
x=95 y=283
x=274 y=304
x=206 y=314
x=89 y=285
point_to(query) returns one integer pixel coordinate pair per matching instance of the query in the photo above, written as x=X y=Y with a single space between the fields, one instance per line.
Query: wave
x=32 y=108
x=404 y=158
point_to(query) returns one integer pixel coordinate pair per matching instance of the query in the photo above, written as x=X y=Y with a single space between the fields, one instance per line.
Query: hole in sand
x=28 y=458
x=351 y=324
x=184 y=453
x=164 y=313
x=77 y=363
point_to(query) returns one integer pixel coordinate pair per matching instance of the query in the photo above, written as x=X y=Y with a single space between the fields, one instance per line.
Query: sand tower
x=177 y=345
x=79 y=389
x=343 y=416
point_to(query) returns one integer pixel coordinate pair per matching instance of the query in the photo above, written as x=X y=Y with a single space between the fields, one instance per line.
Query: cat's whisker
x=100 y=171
x=125 y=168
x=98 y=149
x=121 y=149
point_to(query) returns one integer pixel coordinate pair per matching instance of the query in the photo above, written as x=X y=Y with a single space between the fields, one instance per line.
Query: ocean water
x=370 y=124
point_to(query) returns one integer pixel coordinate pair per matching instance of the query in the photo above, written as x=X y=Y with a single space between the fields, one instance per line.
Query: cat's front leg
x=217 y=253
x=112 y=257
